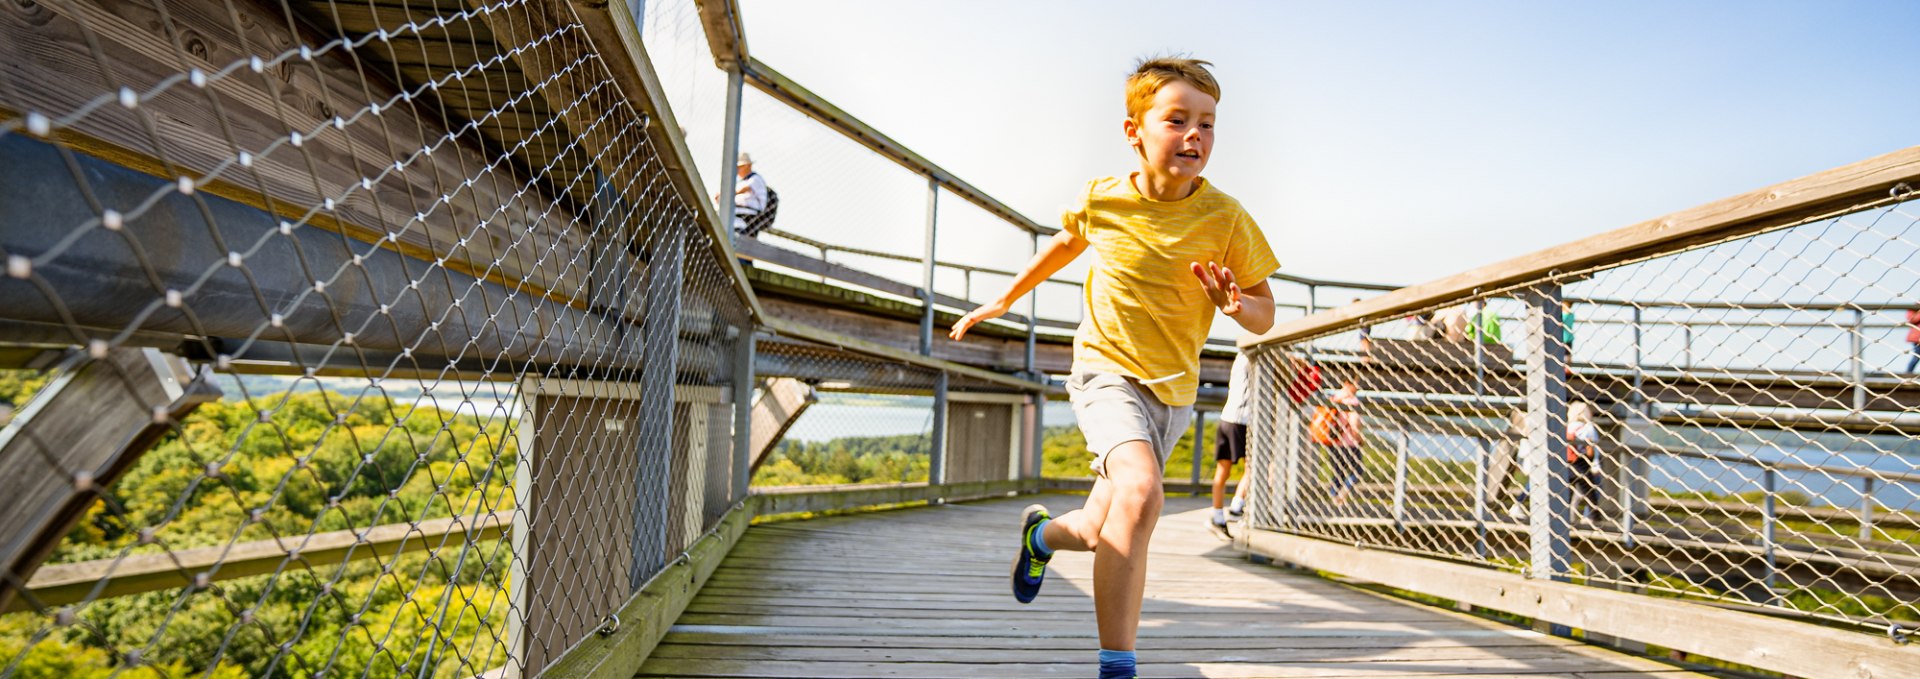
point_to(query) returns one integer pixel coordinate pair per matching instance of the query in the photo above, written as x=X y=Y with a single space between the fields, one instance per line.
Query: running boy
x=1172 y=250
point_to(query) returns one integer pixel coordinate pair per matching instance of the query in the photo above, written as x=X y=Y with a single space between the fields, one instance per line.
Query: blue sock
x=1038 y=541
x=1116 y=664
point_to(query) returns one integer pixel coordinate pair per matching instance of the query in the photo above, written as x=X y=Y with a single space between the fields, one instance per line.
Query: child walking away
x=1229 y=445
x=1173 y=249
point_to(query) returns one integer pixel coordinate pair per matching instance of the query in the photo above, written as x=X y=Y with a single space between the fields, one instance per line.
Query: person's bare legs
x=1116 y=525
x=1221 y=470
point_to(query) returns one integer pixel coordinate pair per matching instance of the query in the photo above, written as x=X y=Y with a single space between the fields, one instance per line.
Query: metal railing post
x=1546 y=435
x=1639 y=397
x=1199 y=426
x=1866 y=508
x=730 y=149
x=1479 y=349
x=1858 y=372
x=926 y=281
x=937 y=450
x=1686 y=346
x=1480 y=482
x=1400 y=481
x=1033 y=316
x=660 y=352
x=743 y=387
x=1769 y=519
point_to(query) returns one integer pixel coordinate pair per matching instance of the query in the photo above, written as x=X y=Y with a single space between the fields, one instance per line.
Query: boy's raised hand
x=1218 y=282
x=986 y=311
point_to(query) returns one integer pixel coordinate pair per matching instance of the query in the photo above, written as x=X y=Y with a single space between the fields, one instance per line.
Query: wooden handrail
x=67 y=583
x=1816 y=195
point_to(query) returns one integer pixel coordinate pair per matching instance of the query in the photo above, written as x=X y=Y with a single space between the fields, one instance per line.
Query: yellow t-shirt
x=1147 y=315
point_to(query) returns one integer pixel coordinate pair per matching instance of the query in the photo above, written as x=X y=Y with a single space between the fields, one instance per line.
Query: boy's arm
x=1251 y=307
x=1062 y=248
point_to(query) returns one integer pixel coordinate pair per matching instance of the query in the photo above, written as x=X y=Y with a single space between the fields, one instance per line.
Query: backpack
x=762 y=220
x=1320 y=429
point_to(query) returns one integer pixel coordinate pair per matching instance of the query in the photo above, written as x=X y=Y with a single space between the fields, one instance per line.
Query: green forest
x=903 y=459
x=286 y=465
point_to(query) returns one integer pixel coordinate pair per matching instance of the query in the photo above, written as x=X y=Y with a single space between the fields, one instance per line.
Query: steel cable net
x=1738 y=425
x=343 y=339
x=837 y=417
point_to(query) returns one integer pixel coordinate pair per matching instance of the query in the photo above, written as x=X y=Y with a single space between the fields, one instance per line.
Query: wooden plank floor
x=923 y=593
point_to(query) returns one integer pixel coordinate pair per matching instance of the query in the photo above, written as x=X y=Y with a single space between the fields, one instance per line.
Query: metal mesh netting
x=1732 y=422
x=377 y=339
x=825 y=415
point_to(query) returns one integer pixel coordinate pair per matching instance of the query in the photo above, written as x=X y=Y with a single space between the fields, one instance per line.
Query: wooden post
x=653 y=477
x=926 y=280
x=1547 y=435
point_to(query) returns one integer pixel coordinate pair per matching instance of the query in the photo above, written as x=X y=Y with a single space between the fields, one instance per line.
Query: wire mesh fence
x=364 y=339
x=1731 y=422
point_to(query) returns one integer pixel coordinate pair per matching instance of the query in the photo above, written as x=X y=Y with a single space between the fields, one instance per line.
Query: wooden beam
x=1755 y=640
x=802 y=331
x=617 y=652
x=775 y=501
x=438 y=207
x=754 y=249
x=787 y=91
x=726 y=34
x=80 y=433
x=779 y=406
x=617 y=39
x=1779 y=205
x=70 y=583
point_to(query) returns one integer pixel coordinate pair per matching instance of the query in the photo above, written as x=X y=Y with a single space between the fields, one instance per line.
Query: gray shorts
x=1113 y=409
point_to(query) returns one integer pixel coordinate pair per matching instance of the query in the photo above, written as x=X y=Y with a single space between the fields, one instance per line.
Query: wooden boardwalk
x=923 y=593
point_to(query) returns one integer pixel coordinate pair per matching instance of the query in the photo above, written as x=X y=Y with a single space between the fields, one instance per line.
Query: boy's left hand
x=1221 y=289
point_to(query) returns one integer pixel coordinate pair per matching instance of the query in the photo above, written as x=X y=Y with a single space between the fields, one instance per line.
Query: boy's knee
x=1143 y=492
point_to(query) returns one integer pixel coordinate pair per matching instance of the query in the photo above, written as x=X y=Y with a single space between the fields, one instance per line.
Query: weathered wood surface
x=778 y=407
x=1791 y=647
x=461 y=204
x=923 y=593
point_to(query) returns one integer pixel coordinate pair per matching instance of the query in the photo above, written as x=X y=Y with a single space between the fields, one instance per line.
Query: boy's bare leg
x=1120 y=565
x=1116 y=525
x=1221 y=470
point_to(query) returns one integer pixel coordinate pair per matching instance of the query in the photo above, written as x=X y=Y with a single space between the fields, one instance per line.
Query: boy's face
x=1175 y=136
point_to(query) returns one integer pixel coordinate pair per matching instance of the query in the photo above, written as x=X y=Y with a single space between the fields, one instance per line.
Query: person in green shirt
x=1484 y=325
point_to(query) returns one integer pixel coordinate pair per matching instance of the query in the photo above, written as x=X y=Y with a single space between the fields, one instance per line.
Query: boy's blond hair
x=1153 y=73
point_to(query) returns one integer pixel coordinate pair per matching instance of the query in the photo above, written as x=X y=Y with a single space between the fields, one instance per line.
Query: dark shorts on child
x=1230 y=442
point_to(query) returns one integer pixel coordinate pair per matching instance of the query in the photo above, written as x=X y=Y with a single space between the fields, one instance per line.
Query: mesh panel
x=1732 y=422
x=378 y=339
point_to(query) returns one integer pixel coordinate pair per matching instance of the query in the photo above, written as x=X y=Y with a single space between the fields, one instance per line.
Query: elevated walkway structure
x=923 y=593
x=404 y=339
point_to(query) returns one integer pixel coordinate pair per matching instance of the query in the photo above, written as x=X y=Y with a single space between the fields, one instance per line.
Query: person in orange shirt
x=1174 y=251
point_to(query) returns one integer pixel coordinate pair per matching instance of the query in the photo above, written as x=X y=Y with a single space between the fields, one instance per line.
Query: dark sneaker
x=1218 y=525
x=1029 y=570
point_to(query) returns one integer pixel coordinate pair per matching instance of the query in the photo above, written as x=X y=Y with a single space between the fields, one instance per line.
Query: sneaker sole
x=1026 y=520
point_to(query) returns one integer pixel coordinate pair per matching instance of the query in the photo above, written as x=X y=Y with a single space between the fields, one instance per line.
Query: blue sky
x=1388 y=141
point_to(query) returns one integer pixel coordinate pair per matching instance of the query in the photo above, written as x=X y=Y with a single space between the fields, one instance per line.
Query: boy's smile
x=1174 y=138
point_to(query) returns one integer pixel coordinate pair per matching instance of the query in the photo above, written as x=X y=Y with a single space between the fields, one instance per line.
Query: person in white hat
x=749 y=193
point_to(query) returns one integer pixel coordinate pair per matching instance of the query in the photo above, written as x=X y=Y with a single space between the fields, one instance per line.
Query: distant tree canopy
x=316 y=461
